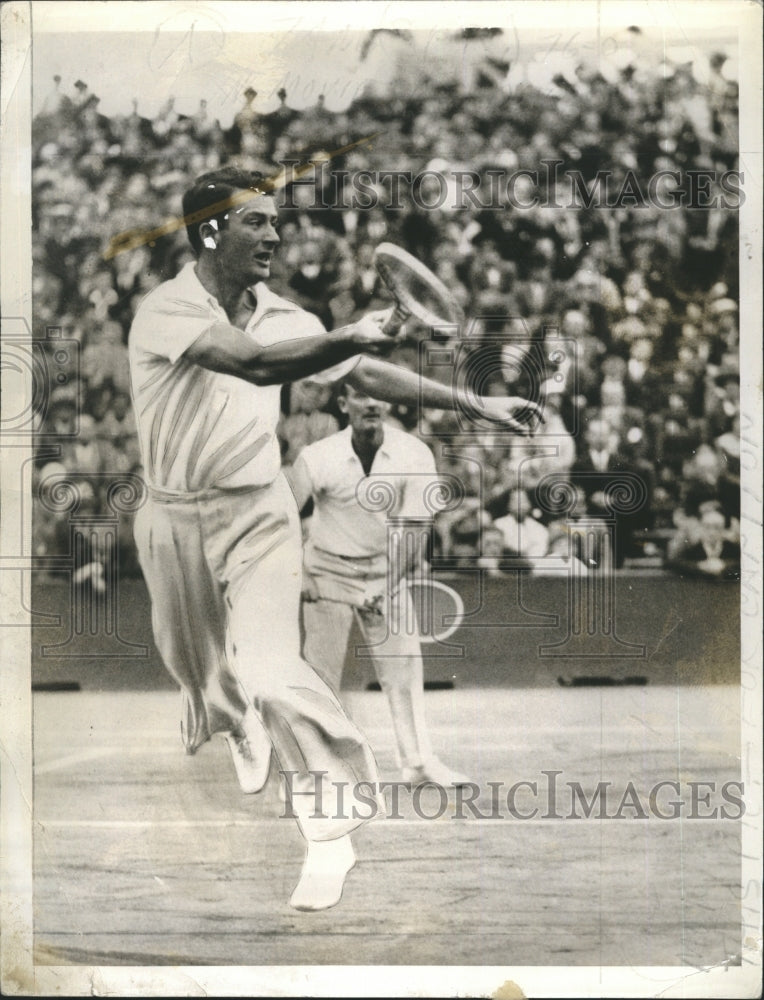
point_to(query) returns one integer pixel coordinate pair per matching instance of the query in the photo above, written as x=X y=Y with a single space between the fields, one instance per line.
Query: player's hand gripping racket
x=416 y=290
x=438 y=608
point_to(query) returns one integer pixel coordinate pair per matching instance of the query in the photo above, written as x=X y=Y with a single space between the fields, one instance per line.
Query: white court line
x=448 y=729
x=670 y=737
x=93 y=753
x=135 y=824
x=82 y=757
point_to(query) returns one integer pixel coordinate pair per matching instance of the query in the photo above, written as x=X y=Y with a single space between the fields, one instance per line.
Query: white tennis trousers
x=224 y=571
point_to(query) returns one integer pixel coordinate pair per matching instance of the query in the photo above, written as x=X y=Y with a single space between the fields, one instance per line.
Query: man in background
x=715 y=554
x=347 y=578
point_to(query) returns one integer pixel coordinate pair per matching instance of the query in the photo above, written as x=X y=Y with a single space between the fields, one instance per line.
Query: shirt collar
x=347 y=435
x=190 y=285
x=267 y=300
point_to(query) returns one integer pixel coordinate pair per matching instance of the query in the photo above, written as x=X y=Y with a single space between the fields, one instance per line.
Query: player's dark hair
x=210 y=198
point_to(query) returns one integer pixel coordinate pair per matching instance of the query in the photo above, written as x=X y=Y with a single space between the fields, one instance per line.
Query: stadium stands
x=645 y=297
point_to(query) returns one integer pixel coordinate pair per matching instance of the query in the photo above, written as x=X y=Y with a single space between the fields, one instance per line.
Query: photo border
x=19 y=975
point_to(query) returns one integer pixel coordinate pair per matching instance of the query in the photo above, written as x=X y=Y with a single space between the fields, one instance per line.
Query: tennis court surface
x=146 y=856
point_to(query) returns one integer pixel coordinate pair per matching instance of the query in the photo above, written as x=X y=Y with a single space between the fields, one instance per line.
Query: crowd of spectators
x=623 y=320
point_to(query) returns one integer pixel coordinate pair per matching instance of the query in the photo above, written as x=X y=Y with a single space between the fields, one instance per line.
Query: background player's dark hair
x=212 y=189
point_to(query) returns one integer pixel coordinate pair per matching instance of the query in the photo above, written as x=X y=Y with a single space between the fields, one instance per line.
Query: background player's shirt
x=332 y=473
x=200 y=429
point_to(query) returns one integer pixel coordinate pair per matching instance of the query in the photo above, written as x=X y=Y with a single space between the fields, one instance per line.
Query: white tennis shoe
x=326 y=865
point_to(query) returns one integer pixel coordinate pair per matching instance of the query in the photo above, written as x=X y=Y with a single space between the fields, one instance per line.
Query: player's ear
x=208 y=231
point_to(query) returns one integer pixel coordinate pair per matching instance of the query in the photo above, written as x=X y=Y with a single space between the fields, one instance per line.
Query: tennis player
x=219 y=538
x=346 y=573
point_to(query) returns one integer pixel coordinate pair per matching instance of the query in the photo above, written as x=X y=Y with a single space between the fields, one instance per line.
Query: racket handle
x=396 y=321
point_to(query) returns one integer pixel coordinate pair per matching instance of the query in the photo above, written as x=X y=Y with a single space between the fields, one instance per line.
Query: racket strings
x=415 y=287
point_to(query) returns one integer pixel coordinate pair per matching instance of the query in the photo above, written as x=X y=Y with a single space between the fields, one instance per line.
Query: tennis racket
x=439 y=608
x=416 y=290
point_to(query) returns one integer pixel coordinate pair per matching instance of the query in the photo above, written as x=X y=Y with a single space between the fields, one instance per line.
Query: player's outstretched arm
x=226 y=349
x=383 y=380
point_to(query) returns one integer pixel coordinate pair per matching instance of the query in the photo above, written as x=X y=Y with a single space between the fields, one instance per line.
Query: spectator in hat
x=716 y=86
x=82 y=95
x=491 y=551
x=714 y=555
x=278 y=121
x=252 y=140
x=596 y=470
x=54 y=102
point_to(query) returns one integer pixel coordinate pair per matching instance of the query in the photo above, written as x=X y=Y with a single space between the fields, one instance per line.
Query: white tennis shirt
x=333 y=473
x=200 y=429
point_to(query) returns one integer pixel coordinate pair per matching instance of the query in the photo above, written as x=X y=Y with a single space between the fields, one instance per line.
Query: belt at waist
x=213 y=493
x=350 y=559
